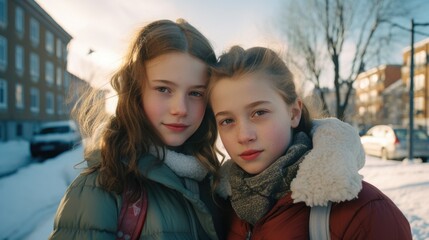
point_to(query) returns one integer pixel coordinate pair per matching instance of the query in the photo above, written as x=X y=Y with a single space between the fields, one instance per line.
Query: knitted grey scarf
x=252 y=196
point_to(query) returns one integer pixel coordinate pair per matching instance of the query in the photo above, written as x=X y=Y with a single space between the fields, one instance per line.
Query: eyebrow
x=175 y=84
x=251 y=105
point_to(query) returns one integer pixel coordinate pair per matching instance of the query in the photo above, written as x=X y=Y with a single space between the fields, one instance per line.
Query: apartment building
x=394 y=103
x=369 y=86
x=421 y=82
x=34 y=81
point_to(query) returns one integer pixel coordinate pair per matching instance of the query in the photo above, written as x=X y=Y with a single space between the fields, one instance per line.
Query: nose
x=246 y=133
x=178 y=106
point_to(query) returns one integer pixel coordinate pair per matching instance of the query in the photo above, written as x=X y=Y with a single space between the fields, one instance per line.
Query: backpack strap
x=319 y=222
x=132 y=216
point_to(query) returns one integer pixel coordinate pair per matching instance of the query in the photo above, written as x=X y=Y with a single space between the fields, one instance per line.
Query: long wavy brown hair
x=116 y=143
x=238 y=62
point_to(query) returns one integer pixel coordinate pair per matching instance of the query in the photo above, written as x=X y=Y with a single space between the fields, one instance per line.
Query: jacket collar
x=183 y=165
x=329 y=172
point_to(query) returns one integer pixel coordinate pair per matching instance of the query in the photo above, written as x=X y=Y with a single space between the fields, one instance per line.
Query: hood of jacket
x=329 y=172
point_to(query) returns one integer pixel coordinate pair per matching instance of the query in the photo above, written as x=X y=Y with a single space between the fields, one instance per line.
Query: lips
x=176 y=127
x=250 y=155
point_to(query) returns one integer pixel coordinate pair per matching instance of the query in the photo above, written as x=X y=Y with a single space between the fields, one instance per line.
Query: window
x=60 y=104
x=373 y=94
x=364 y=83
x=420 y=58
x=66 y=80
x=59 y=77
x=49 y=73
x=362 y=111
x=373 y=80
x=64 y=52
x=34 y=67
x=34 y=32
x=19 y=59
x=3 y=13
x=19 y=21
x=49 y=42
x=34 y=100
x=59 y=49
x=364 y=97
x=419 y=82
x=19 y=96
x=49 y=103
x=3 y=94
x=3 y=53
x=19 y=130
x=419 y=104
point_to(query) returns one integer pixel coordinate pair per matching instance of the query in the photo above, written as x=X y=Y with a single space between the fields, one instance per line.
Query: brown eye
x=259 y=113
x=162 y=89
x=226 y=122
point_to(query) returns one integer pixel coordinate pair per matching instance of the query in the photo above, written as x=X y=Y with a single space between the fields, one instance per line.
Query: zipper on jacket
x=249 y=235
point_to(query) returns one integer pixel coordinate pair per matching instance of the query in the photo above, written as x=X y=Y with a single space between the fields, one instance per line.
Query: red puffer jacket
x=372 y=215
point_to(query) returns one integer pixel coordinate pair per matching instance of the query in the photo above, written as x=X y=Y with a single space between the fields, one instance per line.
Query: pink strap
x=132 y=217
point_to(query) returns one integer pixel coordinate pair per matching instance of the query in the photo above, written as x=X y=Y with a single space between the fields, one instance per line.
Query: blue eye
x=196 y=94
x=259 y=113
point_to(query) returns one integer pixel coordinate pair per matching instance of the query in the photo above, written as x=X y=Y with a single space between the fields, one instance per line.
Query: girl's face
x=254 y=122
x=173 y=98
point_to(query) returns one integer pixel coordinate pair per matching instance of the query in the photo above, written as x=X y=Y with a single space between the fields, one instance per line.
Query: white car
x=54 y=138
x=391 y=142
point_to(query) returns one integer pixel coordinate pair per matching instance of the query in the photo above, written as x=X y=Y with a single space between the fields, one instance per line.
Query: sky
x=30 y=197
x=106 y=26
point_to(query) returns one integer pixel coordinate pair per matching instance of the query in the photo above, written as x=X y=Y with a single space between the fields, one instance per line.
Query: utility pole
x=411 y=93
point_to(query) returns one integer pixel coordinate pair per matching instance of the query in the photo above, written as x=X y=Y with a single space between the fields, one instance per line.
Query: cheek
x=198 y=109
x=150 y=113
x=279 y=139
x=151 y=107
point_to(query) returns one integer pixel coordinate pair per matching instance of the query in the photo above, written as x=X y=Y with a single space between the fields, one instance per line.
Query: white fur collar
x=183 y=165
x=329 y=172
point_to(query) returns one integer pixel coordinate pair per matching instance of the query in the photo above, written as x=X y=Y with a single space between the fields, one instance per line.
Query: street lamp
x=411 y=94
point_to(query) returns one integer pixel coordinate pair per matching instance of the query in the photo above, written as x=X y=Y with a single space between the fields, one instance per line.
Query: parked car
x=54 y=138
x=390 y=142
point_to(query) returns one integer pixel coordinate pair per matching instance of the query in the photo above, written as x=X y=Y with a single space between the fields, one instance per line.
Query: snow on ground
x=407 y=184
x=13 y=155
x=29 y=197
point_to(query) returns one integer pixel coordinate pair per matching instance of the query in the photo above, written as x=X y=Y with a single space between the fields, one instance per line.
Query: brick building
x=34 y=81
x=369 y=98
x=421 y=82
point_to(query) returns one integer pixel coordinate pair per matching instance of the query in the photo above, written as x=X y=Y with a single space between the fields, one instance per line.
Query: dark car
x=54 y=138
x=390 y=142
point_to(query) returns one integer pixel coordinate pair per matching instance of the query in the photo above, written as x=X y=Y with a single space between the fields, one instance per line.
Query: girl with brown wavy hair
x=160 y=140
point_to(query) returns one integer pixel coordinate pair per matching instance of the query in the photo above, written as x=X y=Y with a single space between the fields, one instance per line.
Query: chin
x=174 y=143
x=253 y=171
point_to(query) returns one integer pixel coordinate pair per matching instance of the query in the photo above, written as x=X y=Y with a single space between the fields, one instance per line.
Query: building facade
x=421 y=82
x=370 y=86
x=34 y=82
x=394 y=99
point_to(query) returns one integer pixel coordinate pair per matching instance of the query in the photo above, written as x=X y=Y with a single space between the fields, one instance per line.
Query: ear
x=296 y=112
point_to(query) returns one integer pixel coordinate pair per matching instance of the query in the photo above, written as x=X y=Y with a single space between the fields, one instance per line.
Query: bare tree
x=318 y=31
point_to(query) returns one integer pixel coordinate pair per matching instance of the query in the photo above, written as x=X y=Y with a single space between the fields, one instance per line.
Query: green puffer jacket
x=87 y=211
